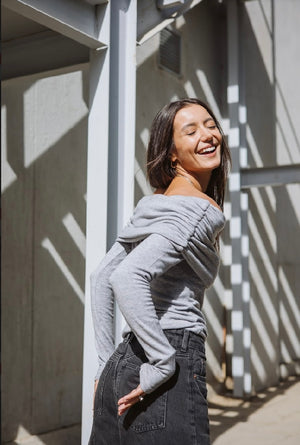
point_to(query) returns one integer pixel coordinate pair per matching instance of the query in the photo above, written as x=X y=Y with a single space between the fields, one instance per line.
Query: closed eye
x=191 y=133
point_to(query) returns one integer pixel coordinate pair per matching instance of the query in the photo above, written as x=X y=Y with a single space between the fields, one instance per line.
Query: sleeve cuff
x=151 y=377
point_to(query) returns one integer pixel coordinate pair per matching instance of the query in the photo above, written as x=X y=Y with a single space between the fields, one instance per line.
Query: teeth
x=208 y=150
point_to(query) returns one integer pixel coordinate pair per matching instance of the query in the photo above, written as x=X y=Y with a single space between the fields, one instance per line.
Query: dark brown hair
x=159 y=169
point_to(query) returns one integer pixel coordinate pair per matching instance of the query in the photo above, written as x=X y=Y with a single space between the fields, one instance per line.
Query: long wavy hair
x=160 y=171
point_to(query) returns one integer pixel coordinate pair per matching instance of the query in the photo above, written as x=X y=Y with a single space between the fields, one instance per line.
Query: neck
x=200 y=181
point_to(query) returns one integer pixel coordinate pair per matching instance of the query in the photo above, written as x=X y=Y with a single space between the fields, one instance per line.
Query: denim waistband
x=181 y=340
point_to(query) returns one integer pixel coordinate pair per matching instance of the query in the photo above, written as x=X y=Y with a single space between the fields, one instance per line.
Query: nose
x=206 y=134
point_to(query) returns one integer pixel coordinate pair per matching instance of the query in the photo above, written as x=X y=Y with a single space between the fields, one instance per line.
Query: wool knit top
x=157 y=270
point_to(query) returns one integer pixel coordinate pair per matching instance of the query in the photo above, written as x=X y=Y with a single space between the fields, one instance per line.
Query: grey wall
x=44 y=130
x=287 y=96
x=273 y=101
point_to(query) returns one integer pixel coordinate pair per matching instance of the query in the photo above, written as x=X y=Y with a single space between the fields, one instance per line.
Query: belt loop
x=185 y=340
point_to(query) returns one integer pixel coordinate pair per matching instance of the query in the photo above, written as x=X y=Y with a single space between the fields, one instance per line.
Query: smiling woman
x=187 y=141
x=152 y=389
x=197 y=142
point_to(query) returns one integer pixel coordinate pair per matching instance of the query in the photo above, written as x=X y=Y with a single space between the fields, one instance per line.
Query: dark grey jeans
x=174 y=414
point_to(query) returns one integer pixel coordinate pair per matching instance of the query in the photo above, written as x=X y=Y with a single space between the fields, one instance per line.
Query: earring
x=173 y=164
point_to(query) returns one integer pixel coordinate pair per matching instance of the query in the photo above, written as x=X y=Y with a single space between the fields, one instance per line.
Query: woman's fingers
x=135 y=393
x=125 y=406
x=95 y=389
x=95 y=386
x=130 y=399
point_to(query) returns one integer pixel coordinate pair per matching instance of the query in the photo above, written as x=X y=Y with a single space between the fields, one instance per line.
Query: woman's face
x=197 y=140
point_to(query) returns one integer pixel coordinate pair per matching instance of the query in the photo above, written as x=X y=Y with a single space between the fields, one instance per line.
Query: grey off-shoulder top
x=157 y=270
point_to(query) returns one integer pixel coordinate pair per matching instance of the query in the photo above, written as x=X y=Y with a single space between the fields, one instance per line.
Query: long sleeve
x=102 y=301
x=131 y=286
x=163 y=231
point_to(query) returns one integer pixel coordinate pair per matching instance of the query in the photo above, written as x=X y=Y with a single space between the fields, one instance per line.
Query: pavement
x=272 y=417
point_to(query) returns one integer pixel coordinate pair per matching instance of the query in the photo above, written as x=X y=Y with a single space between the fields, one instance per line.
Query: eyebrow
x=194 y=124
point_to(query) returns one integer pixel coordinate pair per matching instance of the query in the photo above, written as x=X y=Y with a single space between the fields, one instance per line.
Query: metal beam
x=96 y=213
x=274 y=176
x=162 y=4
x=96 y=2
x=233 y=97
x=244 y=210
x=151 y=19
x=77 y=20
x=44 y=51
x=122 y=123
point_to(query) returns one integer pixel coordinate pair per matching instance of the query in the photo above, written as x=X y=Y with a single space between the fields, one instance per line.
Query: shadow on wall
x=44 y=223
x=272 y=217
x=43 y=253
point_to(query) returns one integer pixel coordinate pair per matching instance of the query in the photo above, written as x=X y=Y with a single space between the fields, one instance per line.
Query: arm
x=102 y=301
x=131 y=285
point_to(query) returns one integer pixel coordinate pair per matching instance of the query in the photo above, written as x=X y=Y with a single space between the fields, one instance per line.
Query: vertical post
x=247 y=380
x=235 y=196
x=97 y=161
x=122 y=123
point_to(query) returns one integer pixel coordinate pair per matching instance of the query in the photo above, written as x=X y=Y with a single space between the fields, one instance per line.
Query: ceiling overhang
x=78 y=20
x=45 y=35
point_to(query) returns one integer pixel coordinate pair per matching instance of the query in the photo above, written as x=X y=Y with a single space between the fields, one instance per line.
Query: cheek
x=184 y=150
x=187 y=155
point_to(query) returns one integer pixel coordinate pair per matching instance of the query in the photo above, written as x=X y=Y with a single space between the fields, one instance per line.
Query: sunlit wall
x=44 y=129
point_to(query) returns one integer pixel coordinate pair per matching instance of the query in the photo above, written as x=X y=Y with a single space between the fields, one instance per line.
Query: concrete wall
x=203 y=75
x=273 y=99
x=44 y=129
x=287 y=96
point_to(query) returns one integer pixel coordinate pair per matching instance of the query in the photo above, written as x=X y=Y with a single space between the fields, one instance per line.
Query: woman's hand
x=95 y=389
x=130 y=399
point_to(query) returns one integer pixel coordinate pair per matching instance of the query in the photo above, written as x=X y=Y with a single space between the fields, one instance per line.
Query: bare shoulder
x=208 y=198
x=189 y=190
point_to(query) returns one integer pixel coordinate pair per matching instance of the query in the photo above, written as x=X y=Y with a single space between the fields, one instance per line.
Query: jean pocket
x=98 y=404
x=147 y=415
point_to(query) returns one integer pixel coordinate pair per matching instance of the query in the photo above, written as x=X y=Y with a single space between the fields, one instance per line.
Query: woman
x=152 y=389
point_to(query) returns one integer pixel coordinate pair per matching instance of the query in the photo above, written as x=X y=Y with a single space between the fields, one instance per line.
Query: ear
x=173 y=157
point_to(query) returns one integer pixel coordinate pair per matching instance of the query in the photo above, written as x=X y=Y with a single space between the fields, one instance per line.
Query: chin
x=218 y=164
x=214 y=166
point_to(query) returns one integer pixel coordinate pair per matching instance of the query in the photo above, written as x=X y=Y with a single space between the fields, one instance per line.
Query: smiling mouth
x=208 y=150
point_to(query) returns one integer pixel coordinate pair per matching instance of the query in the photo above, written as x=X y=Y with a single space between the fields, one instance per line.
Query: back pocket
x=148 y=415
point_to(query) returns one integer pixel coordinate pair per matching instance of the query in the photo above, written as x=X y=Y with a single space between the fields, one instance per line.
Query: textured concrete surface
x=65 y=436
x=270 y=418
x=43 y=253
x=44 y=139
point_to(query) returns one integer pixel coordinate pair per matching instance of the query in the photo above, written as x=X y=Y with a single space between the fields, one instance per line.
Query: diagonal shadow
x=42 y=314
x=226 y=412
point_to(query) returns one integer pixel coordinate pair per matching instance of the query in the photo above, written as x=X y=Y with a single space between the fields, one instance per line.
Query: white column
x=122 y=122
x=244 y=209
x=233 y=98
x=96 y=227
